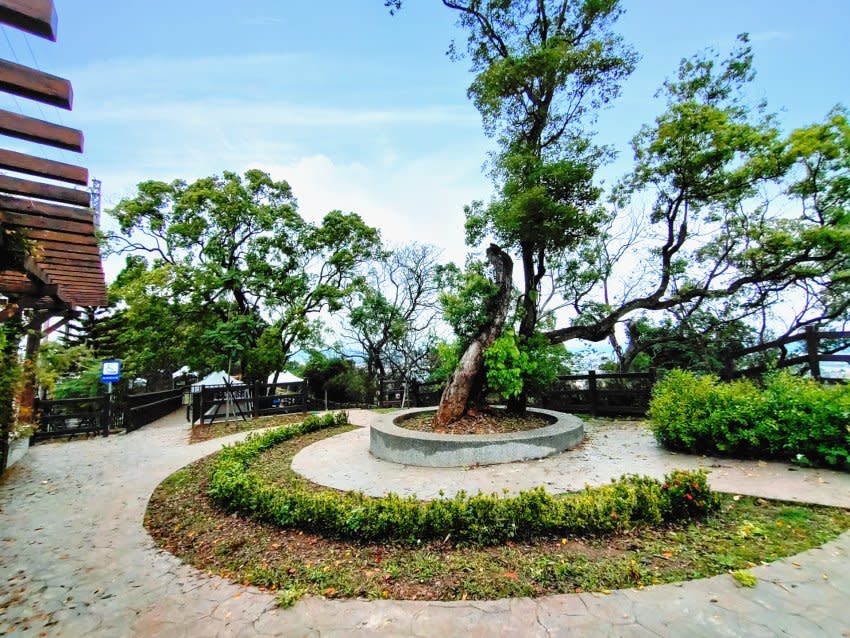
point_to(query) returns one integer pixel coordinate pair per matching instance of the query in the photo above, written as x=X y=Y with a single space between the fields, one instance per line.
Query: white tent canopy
x=216 y=378
x=181 y=372
x=284 y=377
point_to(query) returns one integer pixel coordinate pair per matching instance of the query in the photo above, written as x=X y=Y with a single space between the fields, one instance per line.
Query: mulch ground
x=489 y=421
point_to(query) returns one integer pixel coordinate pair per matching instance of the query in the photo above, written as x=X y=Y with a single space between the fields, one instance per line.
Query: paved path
x=611 y=448
x=76 y=561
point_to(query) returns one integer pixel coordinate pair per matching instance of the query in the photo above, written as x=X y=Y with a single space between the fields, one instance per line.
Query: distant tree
x=700 y=342
x=393 y=319
x=337 y=379
x=96 y=329
x=233 y=258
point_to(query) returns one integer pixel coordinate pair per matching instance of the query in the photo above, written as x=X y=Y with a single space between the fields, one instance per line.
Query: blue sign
x=110 y=371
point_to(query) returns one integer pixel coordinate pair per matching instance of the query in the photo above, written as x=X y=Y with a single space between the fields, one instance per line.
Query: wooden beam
x=23 y=220
x=85 y=262
x=54 y=327
x=75 y=271
x=46 y=209
x=43 y=303
x=58 y=247
x=28 y=288
x=33 y=16
x=35 y=85
x=31 y=165
x=62 y=238
x=80 y=266
x=41 y=132
x=41 y=190
x=78 y=277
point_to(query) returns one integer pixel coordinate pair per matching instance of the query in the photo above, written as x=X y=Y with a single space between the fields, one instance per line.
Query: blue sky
x=362 y=111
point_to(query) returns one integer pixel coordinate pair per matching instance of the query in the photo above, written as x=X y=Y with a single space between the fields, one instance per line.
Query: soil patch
x=218 y=429
x=485 y=422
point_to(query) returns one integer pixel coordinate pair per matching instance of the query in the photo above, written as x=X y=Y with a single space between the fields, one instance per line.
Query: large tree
x=743 y=222
x=234 y=258
x=542 y=71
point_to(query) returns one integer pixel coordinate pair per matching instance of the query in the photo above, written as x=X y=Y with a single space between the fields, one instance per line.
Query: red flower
x=689 y=497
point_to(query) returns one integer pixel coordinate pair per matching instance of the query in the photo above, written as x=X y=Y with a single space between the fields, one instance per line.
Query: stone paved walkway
x=611 y=448
x=76 y=561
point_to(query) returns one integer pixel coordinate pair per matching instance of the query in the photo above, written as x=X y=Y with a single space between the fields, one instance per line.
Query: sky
x=359 y=110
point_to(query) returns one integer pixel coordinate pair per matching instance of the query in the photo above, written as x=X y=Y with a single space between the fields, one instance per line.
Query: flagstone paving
x=75 y=559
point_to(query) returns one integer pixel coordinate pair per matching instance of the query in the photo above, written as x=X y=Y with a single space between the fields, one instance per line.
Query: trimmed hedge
x=478 y=519
x=787 y=417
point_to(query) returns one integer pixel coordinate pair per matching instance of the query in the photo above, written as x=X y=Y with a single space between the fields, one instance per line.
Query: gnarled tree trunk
x=456 y=396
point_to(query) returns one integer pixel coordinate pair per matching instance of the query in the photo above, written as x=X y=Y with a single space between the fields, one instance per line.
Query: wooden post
x=812 y=343
x=200 y=406
x=594 y=395
x=26 y=397
x=104 y=414
x=304 y=395
x=256 y=398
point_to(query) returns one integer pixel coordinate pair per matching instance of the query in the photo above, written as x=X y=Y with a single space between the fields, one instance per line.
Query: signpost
x=110 y=372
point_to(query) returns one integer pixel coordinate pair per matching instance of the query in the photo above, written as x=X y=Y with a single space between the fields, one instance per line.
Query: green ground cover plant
x=218 y=429
x=478 y=519
x=742 y=533
x=786 y=417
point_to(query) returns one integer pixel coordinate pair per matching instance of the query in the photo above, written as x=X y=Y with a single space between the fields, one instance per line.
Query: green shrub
x=787 y=417
x=476 y=519
x=688 y=494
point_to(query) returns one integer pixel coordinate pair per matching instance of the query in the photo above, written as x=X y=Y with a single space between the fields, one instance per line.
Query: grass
x=218 y=429
x=744 y=578
x=746 y=532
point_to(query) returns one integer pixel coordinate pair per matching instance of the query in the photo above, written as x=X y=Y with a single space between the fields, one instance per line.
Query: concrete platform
x=396 y=444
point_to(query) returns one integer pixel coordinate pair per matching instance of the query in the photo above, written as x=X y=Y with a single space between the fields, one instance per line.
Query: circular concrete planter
x=409 y=447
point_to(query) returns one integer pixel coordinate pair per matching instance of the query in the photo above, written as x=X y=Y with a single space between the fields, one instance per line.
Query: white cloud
x=419 y=201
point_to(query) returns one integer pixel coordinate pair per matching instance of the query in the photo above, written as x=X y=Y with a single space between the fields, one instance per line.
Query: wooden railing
x=601 y=393
x=141 y=409
x=392 y=392
x=810 y=355
x=241 y=401
x=67 y=417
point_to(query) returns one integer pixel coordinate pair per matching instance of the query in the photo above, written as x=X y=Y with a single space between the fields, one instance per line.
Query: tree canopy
x=745 y=224
x=229 y=271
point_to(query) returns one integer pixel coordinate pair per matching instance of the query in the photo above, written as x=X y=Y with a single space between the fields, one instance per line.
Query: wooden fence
x=416 y=395
x=601 y=393
x=240 y=401
x=66 y=417
x=596 y=393
x=809 y=356
x=141 y=409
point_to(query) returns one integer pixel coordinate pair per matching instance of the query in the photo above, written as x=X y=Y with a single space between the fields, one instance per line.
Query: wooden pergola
x=49 y=256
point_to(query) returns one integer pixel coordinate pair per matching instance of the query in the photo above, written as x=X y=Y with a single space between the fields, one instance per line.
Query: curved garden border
x=389 y=442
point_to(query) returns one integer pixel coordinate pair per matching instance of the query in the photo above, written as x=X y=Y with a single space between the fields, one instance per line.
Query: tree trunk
x=456 y=397
x=26 y=395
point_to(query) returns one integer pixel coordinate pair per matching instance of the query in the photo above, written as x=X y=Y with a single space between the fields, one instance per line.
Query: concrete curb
x=389 y=442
